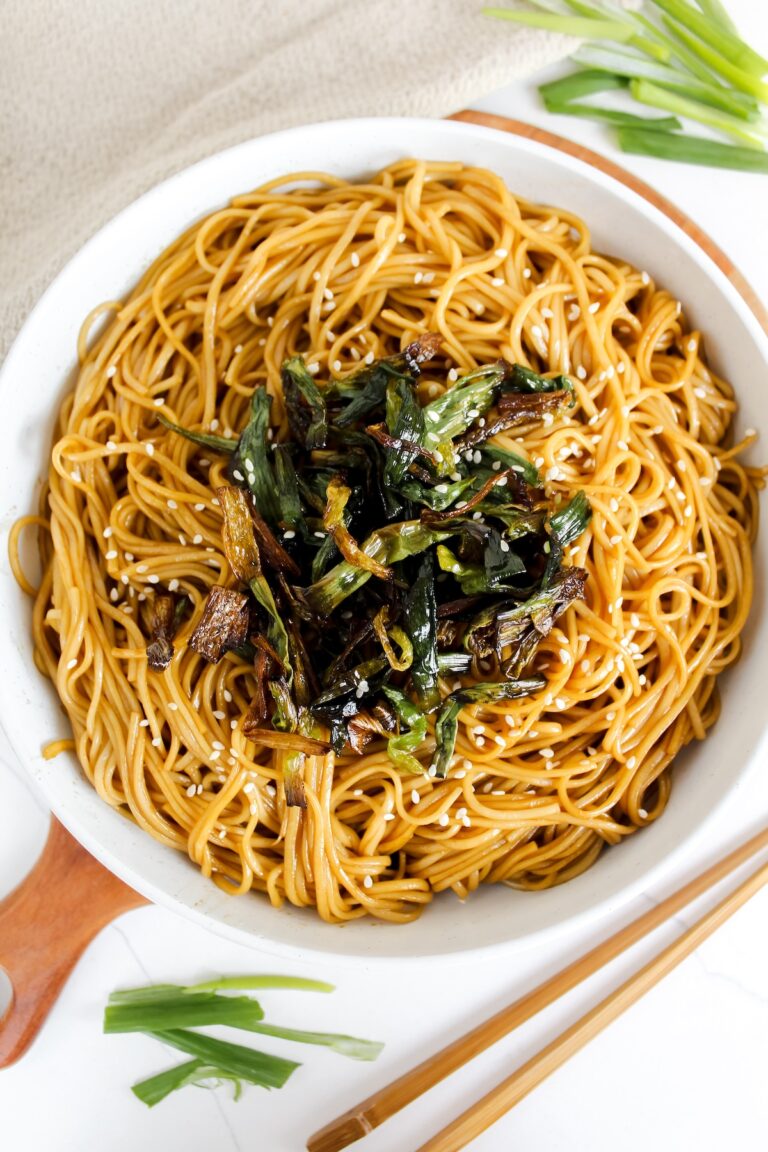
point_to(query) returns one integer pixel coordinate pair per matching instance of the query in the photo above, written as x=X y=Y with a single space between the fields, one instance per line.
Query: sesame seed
x=113 y=595
x=581 y=372
x=153 y=579
x=319 y=535
x=328 y=293
x=173 y=585
x=238 y=475
x=389 y=816
x=526 y=273
x=111 y=555
x=144 y=723
x=367 y=882
x=124 y=578
x=443 y=819
x=337 y=365
x=217 y=743
x=502 y=253
x=615 y=539
x=369 y=358
x=72 y=663
x=645 y=278
x=191 y=790
x=315 y=276
x=480 y=741
x=111 y=371
x=173 y=706
x=197 y=538
x=452 y=376
x=700 y=393
x=219 y=716
x=156 y=742
x=547 y=753
x=497 y=281
x=355 y=260
x=110 y=445
x=171 y=503
x=594 y=307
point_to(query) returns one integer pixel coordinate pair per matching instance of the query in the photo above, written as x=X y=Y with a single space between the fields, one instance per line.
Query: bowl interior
x=36 y=374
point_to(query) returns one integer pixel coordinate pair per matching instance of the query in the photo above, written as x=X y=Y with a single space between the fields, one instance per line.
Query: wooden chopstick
x=504 y=1096
x=375 y=1109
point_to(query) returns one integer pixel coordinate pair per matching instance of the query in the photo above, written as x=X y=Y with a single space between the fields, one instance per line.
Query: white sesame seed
x=124 y=578
x=502 y=253
x=319 y=535
x=645 y=278
x=191 y=790
x=316 y=276
x=389 y=816
x=111 y=555
x=443 y=819
x=547 y=753
x=594 y=307
x=497 y=281
x=156 y=742
x=72 y=663
x=197 y=538
x=367 y=882
x=355 y=260
x=111 y=371
x=526 y=273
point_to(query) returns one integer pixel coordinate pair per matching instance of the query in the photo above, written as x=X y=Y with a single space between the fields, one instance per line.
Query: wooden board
x=49 y=920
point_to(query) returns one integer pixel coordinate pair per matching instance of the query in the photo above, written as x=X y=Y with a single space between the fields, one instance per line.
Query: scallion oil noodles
x=343 y=273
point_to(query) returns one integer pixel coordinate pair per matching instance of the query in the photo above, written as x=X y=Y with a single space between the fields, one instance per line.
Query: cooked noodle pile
x=340 y=272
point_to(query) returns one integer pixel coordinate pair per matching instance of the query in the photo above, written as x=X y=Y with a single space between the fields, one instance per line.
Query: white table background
x=684 y=1069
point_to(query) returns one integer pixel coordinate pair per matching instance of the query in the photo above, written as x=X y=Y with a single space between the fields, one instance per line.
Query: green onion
x=692 y=150
x=617 y=62
x=156 y=1088
x=651 y=94
x=350 y=1046
x=183 y=1011
x=205 y=439
x=253 y=983
x=715 y=34
x=743 y=81
x=233 y=1059
x=400 y=748
x=584 y=29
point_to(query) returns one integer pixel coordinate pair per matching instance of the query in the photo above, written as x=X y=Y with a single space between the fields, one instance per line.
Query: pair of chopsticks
x=369 y=1113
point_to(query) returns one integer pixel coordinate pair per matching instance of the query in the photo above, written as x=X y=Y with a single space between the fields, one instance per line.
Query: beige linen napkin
x=100 y=100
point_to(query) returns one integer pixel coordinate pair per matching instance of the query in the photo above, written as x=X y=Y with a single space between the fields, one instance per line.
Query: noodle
x=340 y=272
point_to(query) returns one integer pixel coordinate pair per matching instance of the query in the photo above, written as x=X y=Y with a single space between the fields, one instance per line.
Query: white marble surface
x=684 y=1069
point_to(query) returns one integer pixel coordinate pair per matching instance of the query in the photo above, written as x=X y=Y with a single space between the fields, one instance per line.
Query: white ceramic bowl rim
x=37 y=369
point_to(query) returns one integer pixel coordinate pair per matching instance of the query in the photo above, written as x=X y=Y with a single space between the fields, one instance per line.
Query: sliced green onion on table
x=172 y=1013
x=684 y=59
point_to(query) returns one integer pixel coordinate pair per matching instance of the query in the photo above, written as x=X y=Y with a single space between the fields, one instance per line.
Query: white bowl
x=38 y=371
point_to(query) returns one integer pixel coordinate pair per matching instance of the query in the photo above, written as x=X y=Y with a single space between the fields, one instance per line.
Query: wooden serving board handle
x=45 y=926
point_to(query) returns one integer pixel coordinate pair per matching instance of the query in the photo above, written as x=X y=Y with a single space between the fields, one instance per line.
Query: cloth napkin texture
x=100 y=100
